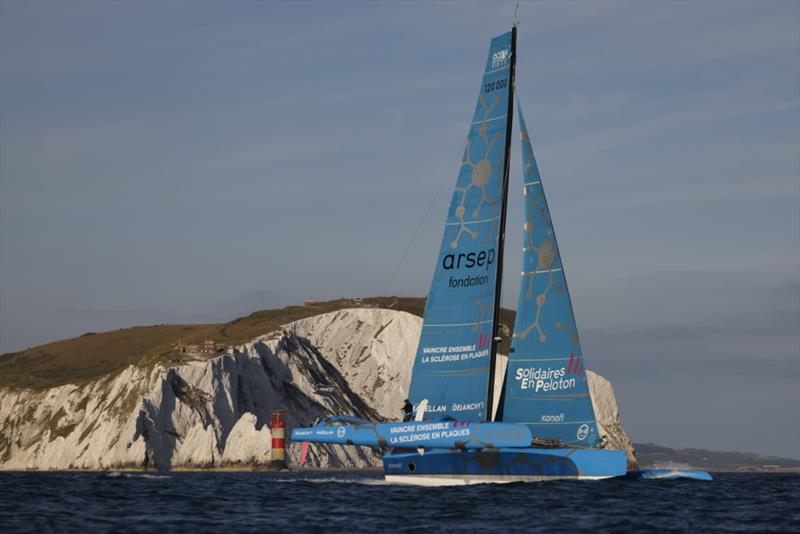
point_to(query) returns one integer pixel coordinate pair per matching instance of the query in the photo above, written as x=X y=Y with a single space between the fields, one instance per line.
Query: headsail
x=545 y=384
x=452 y=365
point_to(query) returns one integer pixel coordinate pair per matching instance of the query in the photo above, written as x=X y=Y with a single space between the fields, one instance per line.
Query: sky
x=190 y=162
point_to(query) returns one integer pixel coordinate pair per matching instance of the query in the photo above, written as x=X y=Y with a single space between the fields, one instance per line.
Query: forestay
x=545 y=384
x=451 y=368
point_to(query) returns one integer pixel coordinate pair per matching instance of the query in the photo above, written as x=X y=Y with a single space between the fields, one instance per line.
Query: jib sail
x=455 y=349
x=545 y=384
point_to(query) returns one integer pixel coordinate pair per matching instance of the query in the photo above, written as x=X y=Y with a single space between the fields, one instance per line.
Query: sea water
x=343 y=502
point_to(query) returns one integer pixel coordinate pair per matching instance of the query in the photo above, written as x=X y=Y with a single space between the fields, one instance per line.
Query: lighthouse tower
x=278 y=427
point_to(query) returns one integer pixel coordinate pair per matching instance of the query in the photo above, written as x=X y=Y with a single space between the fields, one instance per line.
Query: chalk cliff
x=214 y=412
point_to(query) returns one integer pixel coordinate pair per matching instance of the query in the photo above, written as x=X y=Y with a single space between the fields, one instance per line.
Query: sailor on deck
x=408 y=411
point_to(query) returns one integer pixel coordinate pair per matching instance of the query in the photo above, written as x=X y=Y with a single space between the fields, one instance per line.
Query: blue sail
x=451 y=368
x=545 y=386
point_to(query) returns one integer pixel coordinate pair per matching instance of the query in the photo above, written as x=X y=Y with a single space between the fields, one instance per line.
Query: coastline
x=268 y=469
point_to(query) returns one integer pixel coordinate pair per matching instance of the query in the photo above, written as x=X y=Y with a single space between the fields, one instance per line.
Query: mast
x=502 y=237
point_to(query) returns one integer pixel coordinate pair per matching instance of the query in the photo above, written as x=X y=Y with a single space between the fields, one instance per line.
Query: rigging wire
x=425 y=217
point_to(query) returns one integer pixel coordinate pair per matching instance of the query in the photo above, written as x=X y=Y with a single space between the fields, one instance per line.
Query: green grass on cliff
x=85 y=358
x=89 y=356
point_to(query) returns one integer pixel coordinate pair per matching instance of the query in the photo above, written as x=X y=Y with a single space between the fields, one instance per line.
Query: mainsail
x=456 y=347
x=545 y=384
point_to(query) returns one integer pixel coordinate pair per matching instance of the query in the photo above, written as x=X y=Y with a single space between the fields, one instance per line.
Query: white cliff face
x=246 y=445
x=372 y=349
x=214 y=413
x=608 y=420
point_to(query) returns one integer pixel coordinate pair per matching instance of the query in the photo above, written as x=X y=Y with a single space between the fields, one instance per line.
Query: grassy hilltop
x=93 y=355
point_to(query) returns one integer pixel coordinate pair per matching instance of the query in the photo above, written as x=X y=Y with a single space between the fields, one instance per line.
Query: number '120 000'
x=492 y=86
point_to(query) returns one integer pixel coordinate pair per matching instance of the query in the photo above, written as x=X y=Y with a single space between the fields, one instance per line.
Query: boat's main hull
x=458 y=467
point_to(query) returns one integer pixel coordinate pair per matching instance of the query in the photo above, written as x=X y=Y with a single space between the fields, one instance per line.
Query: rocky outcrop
x=608 y=420
x=214 y=413
x=246 y=445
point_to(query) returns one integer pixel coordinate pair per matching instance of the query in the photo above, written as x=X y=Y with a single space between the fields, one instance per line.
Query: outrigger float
x=545 y=427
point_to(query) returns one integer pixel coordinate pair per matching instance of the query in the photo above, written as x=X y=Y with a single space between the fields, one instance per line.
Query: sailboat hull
x=446 y=467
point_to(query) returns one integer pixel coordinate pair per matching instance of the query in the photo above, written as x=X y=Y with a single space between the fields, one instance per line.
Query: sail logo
x=466 y=406
x=575 y=366
x=583 y=432
x=468 y=260
x=544 y=380
x=500 y=59
x=457 y=353
x=433 y=408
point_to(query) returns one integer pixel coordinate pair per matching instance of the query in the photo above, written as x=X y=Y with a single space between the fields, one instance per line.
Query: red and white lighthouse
x=278 y=428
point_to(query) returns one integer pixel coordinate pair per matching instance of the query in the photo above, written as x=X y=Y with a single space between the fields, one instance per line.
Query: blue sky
x=188 y=162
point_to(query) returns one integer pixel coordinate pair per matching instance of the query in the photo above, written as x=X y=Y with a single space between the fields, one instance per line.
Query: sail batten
x=452 y=365
x=545 y=385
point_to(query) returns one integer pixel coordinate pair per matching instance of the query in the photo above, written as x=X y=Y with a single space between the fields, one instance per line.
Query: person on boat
x=408 y=411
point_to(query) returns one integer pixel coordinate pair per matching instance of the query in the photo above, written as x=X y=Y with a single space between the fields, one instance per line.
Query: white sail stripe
x=533 y=183
x=496 y=70
x=443 y=325
x=490 y=120
x=524 y=273
x=459 y=223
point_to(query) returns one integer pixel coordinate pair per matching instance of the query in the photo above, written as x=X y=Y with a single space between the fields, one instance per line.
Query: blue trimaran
x=545 y=426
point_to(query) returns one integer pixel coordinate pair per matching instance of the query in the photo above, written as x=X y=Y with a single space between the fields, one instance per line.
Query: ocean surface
x=346 y=502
